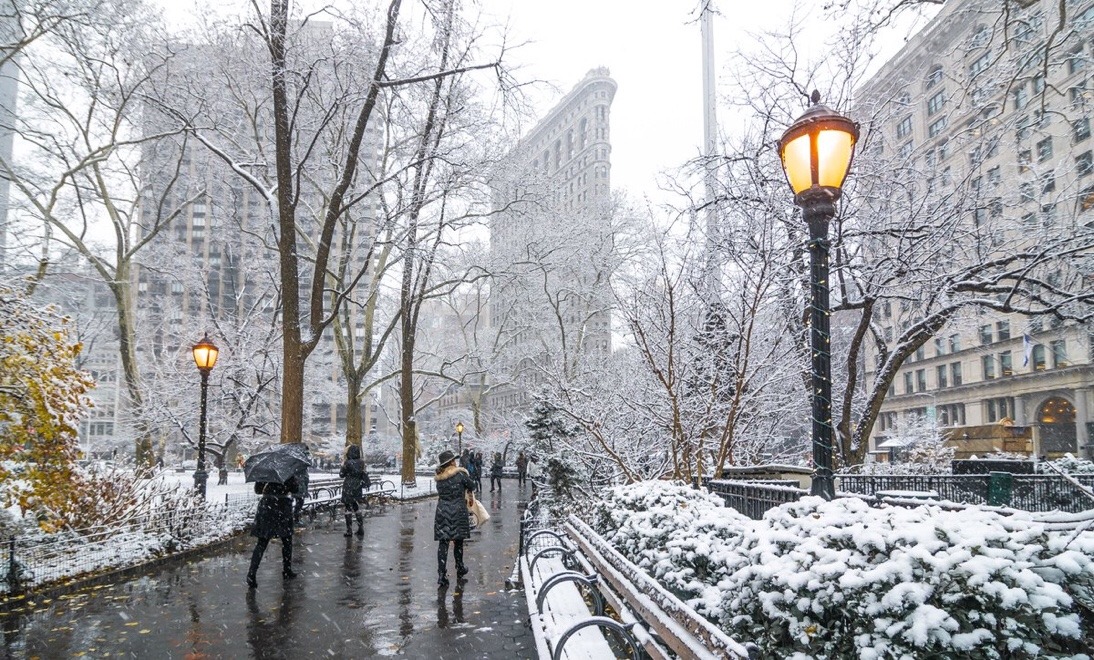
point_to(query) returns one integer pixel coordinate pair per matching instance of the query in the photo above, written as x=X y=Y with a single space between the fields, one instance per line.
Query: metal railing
x=751 y=498
x=32 y=562
x=1028 y=492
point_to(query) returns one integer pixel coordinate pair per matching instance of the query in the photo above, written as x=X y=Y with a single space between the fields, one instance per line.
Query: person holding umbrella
x=354 y=478
x=272 y=472
x=450 y=521
x=273 y=518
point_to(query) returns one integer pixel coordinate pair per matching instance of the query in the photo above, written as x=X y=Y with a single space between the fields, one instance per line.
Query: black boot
x=349 y=525
x=457 y=551
x=442 y=563
x=256 y=559
x=286 y=558
x=360 y=524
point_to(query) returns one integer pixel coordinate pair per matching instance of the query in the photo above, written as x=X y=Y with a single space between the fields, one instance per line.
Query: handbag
x=478 y=512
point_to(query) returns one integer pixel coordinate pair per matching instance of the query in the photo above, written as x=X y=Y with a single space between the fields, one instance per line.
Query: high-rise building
x=550 y=237
x=215 y=265
x=9 y=87
x=988 y=111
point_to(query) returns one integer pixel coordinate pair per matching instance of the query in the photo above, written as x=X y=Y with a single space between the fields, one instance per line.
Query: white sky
x=654 y=51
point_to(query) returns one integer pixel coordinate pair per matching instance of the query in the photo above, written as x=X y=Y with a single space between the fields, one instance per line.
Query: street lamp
x=205 y=357
x=459 y=437
x=816 y=153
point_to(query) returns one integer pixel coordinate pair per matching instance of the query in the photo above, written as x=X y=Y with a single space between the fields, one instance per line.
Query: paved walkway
x=368 y=597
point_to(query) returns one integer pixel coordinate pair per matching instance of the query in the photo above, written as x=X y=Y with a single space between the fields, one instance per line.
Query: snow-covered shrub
x=677 y=534
x=1068 y=464
x=843 y=579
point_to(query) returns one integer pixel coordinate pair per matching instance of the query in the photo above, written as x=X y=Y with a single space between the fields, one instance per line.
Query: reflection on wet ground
x=359 y=597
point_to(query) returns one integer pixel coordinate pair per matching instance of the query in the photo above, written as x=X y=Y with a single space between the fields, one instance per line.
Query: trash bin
x=1000 y=485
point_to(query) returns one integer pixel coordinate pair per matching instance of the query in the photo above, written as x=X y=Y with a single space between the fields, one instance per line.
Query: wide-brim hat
x=445 y=458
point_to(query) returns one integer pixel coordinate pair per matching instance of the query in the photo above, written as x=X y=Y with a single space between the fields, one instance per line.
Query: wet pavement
x=354 y=597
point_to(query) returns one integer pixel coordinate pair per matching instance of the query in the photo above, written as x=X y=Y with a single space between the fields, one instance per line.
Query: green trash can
x=1000 y=485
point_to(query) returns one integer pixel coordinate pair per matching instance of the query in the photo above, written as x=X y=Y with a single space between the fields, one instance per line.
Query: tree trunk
x=354 y=423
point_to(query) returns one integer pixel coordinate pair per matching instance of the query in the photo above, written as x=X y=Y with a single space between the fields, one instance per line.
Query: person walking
x=353 y=481
x=478 y=471
x=455 y=490
x=303 y=479
x=522 y=468
x=495 y=471
x=273 y=519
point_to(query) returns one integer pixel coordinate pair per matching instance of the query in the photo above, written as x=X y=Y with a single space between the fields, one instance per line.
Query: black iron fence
x=752 y=498
x=1028 y=492
x=1034 y=493
x=32 y=562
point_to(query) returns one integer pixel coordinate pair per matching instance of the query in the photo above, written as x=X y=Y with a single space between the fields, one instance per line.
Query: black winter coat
x=274 y=515
x=354 y=478
x=450 y=523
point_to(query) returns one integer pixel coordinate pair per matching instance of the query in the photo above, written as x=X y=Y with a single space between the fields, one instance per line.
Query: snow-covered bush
x=677 y=534
x=1068 y=464
x=844 y=579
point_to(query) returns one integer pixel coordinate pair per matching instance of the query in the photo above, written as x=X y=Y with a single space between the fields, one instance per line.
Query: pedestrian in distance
x=273 y=519
x=495 y=472
x=303 y=479
x=522 y=468
x=354 y=480
x=465 y=459
x=469 y=464
x=479 y=468
x=451 y=522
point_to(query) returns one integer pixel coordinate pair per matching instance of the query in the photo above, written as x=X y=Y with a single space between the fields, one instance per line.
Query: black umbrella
x=276 y=464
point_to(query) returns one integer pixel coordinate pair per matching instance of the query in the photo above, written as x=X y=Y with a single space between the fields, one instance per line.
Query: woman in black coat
x=450 y=523
x=354 y=479
x=273 y=519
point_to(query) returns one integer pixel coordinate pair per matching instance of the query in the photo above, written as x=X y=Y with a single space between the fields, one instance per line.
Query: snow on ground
x=845 y=579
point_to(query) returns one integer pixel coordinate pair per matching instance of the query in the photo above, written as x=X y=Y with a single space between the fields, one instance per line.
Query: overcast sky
x=653 y=49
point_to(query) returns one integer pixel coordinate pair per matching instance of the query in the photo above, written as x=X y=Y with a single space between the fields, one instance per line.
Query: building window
x=1002 y=330
x=942 y=373
x=920 y=353
x=985 y=335
x=981 y=37
x=934 y=76
x=955 y=343
x=1059 y=353
x=979 y=65
x=936 y=127
x=1021 y=97
x=1048 y=183
x=904 y=128
x=1006 y=364
x=987 y=363
x=1044 y=150
x=951 y=415
x=1080 y=129
x=920 y=380
x=1024 y=160
x=939 y=346
x=1037 y=357
x=955 y=373
x=905 y=151
x=1084 y=163
x=935 y=103
x=997 y=409
x=908 y=386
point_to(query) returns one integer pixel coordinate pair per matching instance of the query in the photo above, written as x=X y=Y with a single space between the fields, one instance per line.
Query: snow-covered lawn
x=844 y=579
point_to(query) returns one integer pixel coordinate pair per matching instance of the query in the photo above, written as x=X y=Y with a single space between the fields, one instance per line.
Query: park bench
x=325 y=496
x=585 y=600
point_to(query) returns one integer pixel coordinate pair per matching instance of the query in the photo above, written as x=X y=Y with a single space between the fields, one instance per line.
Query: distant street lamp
x=205 y=357
x=816 y=153
x=459 y=437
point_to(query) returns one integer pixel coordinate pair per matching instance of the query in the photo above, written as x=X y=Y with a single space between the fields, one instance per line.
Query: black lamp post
x=459 y=437
x=205 y=357
x=816 y=153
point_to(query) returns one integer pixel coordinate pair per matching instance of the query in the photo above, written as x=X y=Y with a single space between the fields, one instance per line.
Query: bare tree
x=83 y=82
